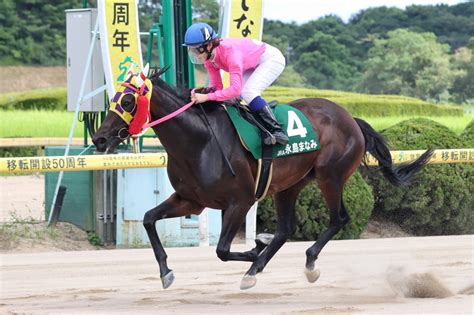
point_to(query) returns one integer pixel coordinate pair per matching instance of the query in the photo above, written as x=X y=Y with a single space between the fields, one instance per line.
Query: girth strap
x=264 y=176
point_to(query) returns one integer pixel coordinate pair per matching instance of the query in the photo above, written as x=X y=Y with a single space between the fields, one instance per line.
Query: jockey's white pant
x=271 y=65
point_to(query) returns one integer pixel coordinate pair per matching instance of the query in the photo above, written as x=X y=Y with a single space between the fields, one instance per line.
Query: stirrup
x=269 y=139
x=272 y=104
x=280 y=137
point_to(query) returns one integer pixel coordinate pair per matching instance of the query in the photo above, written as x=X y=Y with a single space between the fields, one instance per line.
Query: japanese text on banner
x=120 y=28
x=246 y=19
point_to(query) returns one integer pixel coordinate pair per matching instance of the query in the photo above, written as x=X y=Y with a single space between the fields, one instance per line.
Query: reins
x=182 y=109
x=169 y=116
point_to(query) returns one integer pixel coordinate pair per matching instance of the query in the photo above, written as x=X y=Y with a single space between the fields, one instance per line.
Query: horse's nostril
x=100 y=143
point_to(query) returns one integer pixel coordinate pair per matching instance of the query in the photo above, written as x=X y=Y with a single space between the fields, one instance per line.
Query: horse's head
x=128 y=112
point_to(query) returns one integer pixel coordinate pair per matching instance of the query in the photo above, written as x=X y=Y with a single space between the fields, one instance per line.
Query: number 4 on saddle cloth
x=301 y=134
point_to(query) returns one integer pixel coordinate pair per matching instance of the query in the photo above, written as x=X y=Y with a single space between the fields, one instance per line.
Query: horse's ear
x=160 y=71
x=146 y=70
x=142 y=76
x=129 y=72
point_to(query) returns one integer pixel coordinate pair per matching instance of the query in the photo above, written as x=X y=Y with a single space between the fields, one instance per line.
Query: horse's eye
x=128 y=102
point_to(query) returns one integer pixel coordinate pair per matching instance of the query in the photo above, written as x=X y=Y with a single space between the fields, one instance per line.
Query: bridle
x=123 y=132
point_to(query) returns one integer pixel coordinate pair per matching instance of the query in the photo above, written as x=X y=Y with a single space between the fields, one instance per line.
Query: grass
x=44 y=99
x=56 y=124
x=38 y=124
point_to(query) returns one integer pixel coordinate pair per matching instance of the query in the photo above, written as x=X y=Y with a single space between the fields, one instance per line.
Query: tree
x=282 y=36
x=334 y=26
x=279 y=42
x=206 y=11
x=290 y=78
x=452 y=25
x=9 y=54
x=149 y=12
x=325 y=63
x=34 y=32
x=463 y=86
x=409 y=63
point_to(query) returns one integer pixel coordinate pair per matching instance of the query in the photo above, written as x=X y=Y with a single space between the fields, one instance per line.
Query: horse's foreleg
x=173 y=207
x=332 y=192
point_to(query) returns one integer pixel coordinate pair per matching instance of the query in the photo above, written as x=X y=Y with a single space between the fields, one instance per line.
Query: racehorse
x=201 y=177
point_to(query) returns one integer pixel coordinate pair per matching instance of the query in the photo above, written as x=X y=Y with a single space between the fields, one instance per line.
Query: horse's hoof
x=265 y=238
x=167 y=280
x=312 y=274
x=248 y=282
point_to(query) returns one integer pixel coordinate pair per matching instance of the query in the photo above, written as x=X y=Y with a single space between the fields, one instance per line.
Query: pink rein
x=169 y=116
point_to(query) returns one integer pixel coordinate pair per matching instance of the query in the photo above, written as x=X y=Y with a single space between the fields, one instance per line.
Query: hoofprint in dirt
x=357 y=276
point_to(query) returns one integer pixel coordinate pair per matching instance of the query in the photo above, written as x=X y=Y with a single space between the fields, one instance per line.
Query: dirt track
x=353 y=280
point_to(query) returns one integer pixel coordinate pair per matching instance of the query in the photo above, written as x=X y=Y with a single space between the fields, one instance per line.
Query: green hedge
x=440 y=201
x=19 y=151
x=312 y=215
x=367 y=105
x=467 y=136
x=49 y=99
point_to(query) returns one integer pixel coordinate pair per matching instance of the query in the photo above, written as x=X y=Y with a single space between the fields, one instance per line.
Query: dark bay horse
x=201 y=177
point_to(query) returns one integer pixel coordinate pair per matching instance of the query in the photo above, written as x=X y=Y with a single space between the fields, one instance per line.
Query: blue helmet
x=199 y=34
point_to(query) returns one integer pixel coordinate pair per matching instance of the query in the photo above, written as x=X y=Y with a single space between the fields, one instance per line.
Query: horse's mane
x=179 y=92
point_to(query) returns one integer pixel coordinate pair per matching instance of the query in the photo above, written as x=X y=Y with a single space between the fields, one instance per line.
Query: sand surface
x=358 y=276
x=21 y=197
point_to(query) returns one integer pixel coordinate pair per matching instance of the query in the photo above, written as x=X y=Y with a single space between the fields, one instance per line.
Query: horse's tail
x=376 y=145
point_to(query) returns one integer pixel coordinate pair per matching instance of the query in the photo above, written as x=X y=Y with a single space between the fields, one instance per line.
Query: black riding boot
x=266 y=117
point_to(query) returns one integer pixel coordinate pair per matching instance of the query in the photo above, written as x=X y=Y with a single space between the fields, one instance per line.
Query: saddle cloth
x=301 y=134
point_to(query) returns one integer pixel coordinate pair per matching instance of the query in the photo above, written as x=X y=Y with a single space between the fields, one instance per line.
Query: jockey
x=252 y=65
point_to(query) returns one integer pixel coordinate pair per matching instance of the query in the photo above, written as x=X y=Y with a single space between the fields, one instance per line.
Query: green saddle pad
x=301 y=134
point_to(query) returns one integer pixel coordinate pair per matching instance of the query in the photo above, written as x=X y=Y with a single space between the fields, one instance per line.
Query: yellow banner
x=438 y=157
x=246 y=19
x=152 y=160
x=243 y=19
x=82 y=163
x=120 y=40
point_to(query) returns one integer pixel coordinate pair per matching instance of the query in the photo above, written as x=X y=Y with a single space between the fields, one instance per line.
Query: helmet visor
x=197 y=54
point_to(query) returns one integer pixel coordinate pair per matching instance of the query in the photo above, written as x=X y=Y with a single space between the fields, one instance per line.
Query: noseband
x=121 y=131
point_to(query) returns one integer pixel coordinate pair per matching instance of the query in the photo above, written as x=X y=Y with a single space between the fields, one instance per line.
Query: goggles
x=195 y=52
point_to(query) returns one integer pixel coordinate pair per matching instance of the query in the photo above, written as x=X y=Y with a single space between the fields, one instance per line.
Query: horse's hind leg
x=173 y=207
x=332 y=191
x=285 y=206
x=232 y=219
